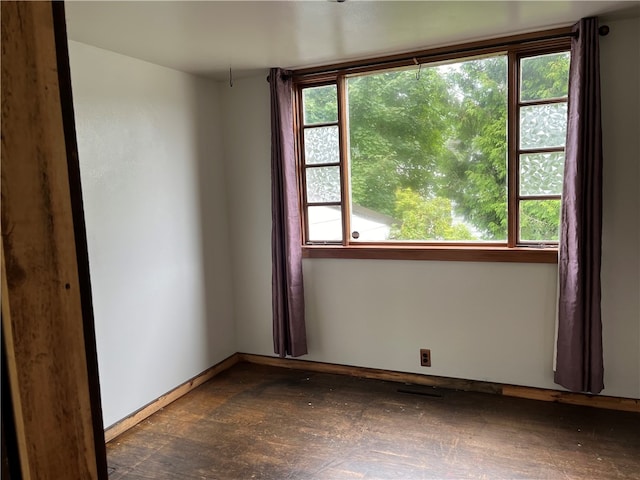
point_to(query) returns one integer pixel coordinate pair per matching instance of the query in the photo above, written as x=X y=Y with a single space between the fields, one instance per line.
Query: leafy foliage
x=398 y=127
x=442 y=135
x=545 y=76
x=477 y=171
x=320 y=105
x=539 y=220
x=422 y=219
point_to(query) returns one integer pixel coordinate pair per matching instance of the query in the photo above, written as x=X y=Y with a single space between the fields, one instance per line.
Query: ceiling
x=210 y=37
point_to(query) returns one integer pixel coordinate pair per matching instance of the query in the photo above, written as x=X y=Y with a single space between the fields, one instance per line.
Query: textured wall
x=155 y=207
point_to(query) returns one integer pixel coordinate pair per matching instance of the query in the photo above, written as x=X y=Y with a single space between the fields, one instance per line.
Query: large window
x=454 y=153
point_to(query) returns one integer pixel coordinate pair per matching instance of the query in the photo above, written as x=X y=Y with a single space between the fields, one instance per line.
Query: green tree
x=426 y=219
x=476 y=172
x=442 y=134
x=398 y=126
x=539 y=220
x=320 y=104
x=545 y=76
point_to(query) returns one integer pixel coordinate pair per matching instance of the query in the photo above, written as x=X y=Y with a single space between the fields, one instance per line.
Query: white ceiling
x=209 y=37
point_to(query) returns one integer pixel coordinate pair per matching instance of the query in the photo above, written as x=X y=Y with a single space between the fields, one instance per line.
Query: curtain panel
x=579 y=365
x=289 y=332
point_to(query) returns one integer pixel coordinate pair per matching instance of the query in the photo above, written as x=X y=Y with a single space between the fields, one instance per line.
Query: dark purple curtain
x=579 y=365
x=289 y=333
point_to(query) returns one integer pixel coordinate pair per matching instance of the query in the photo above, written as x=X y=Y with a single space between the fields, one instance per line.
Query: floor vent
x=419 y=392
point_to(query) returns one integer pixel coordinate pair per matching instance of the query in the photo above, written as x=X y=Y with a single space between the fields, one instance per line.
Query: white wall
x=156 y=214
x=247 y=144
x=484 y=321
x=620 y=67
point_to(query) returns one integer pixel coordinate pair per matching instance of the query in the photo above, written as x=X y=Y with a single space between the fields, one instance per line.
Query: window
x=459 y=155
x=542 y=118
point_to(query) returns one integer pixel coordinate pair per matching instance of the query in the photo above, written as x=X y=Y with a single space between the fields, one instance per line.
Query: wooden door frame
x=47 y=314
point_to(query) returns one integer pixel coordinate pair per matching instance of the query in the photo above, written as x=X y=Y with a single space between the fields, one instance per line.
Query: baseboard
x=532 y=393
x=141 y=414
x=597 y=401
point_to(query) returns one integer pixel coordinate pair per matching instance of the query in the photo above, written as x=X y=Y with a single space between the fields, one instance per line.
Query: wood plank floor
x=258 y=422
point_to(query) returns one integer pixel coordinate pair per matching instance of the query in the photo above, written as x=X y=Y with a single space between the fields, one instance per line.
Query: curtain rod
x=603 y=30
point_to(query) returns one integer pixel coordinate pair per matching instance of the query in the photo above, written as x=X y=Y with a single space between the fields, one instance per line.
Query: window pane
x=544 y=77
x=321 y=145
x=320 y=104
x=323 y=184
x=325 y=223
x=428 y=150
x=541 y=173
x=539 y=220
x=543 y=126
x=370 y=226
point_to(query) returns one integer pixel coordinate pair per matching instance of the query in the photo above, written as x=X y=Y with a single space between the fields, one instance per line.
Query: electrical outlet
x=425 y=357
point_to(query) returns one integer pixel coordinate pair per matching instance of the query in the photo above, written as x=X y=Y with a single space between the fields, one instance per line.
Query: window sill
x=443 y=253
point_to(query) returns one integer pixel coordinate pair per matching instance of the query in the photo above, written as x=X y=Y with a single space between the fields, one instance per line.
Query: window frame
x=515 y=48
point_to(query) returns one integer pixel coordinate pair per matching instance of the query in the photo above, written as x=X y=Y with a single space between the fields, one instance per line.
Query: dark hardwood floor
x=257 y=422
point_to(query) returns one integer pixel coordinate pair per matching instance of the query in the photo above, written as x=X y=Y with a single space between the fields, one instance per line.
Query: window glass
x=325 y=223
x=541 y=173
x=369 y=225
x=539 y=220
x=543 y=126
x=323 y=184
x=321 y=164
x=321 y=145
x=544 y=76
x=320 y=105
x=428 y=151
x=544 y=79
